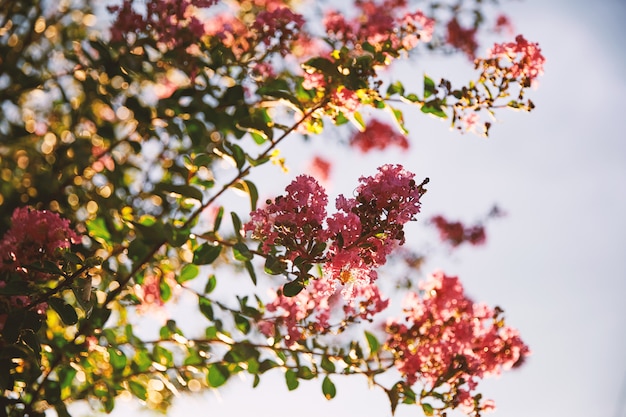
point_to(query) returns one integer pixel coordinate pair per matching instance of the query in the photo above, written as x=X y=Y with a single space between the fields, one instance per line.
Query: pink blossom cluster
x=379 y=23
x=345 y=100
x=359 y=236
x=277 y=29
x=309 y=313
x=462 y=38
x=170 y=22
x=455 y=233
x=34 y=236
x=378 y=135
x=294 y=221
x=446 y=340
x=525 y=57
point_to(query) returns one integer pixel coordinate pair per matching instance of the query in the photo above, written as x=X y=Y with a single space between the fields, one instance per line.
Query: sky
x=556 y=263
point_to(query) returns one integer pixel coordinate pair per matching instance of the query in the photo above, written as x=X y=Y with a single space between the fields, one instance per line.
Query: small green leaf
x=242 y=324
x=274 y=266
x=138 y=390
x=206 y=253
x=304 y=372
x=372 y=342
x=218 y=375
x=241 y=252
x=293 y=288
x=98 y=230
x=206 y=308
x=189 y=272
x=163 y=356
x=251 y=271
x=236 y=224
x=291 y=379
x=210 y=285
x=64 y=310
x=428 y=409
x=328 y=388
x=327 y=364
x=188 y=191
x=395 y=88
x=218 y=219
x=429 y=87
x=117 y=359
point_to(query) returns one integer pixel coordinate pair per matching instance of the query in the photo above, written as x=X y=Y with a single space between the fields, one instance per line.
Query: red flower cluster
x=446 y=340
x=34 y=236
x=310 y=312
x=378 y=135
x=462 y=38
x=380 y=23
x=359 y=236
x=278 y=28
x=171 y=22
x=525 y=57
x=455 y=233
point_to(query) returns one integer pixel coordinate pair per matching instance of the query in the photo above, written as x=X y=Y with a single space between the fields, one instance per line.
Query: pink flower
x=525 y=58
x=313 y=81
x=34 y=236
x=345 y=100
x=293 y=220
x=378 y=135
x=462 y=38
x=278 y=28
x=449 y=342
x=454 y=233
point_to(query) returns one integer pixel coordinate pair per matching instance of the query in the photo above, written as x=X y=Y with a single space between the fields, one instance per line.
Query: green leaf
x=81 y=288
x=210 y=285
x=258 y=123
x=188 y=191
x=251 y=271
x=327 y=364
x=429 y=87
x=274 y=266
x=434 y=107
x=142 y=360
x=32 y=341
x=291 y=379
x=237 y=153
x=372 y=342
x=98 y=230
x=395 y=88
x=206 y=308
x=328 y=388
x=304 y=372
x=163 y=356
x=324 y=65
x=397 y=114
x=218 y=375
x=241 y=252
x=206 y=253
x=64 y=310
x=293 y=288
x=236 y=224
x=428 y=409
x=189 y=272
x=117 y=359
x=165 y=289
x=218 y=219
x=138 y=390
x=242 y=324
